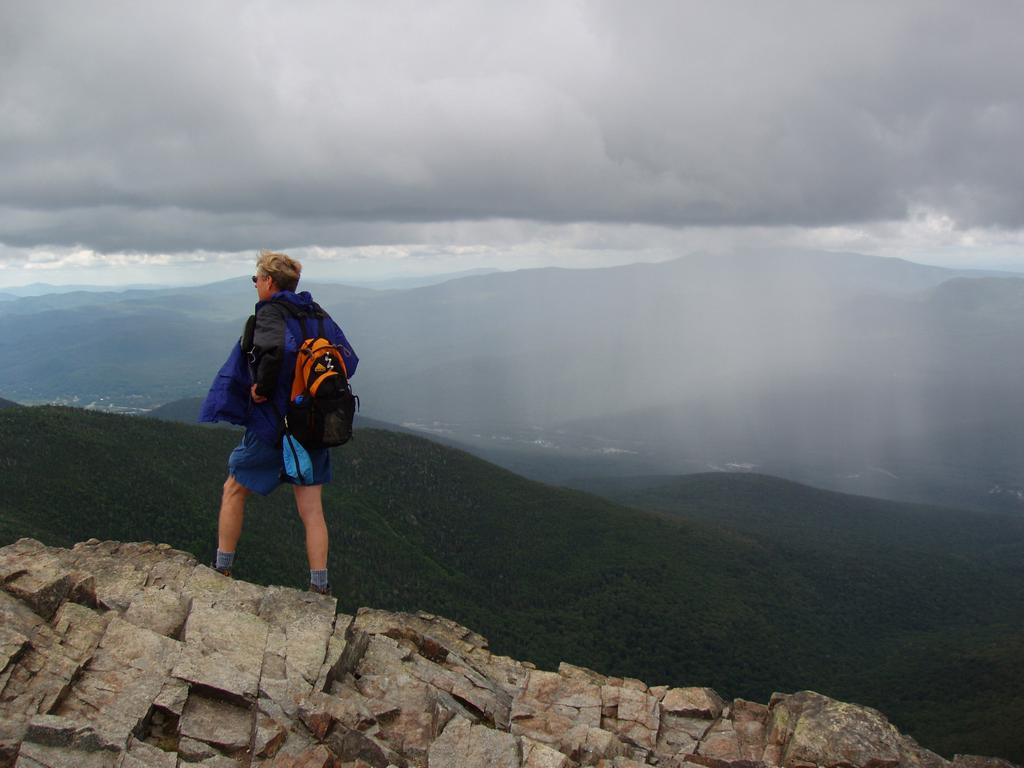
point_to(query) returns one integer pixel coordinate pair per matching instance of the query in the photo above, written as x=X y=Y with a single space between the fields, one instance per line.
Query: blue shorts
x=260 y=468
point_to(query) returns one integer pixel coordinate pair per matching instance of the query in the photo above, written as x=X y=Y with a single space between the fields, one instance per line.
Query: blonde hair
x=283 y=269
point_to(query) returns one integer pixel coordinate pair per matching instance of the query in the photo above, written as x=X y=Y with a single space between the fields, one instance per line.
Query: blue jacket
x=271 y=362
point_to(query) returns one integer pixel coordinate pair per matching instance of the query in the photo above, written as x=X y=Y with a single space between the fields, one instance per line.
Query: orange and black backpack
x=321 y=407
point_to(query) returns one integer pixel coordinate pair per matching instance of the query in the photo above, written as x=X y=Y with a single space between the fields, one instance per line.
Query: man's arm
x=268 y=339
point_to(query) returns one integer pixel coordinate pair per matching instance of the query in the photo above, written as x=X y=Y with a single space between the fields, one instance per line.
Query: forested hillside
x=551 y=574
x=805 y=518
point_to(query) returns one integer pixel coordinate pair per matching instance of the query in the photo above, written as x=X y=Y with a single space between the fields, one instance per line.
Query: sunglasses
x=254 y=279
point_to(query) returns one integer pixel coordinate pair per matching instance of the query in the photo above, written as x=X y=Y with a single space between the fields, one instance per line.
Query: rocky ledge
x=129 y=655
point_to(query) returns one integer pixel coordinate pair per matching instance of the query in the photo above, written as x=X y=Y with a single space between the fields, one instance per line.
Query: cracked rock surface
x=129 y=655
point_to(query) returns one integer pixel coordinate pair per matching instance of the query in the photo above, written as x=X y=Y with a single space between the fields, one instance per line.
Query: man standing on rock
x=252 y=389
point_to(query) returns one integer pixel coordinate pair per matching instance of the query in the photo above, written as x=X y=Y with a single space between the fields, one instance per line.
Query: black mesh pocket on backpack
x=337 y=426
x=323 y=422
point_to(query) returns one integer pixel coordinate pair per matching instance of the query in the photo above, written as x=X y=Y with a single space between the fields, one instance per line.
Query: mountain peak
x=133 y=654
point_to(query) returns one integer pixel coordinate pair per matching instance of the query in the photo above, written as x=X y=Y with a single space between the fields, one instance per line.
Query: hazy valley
x=868 y=375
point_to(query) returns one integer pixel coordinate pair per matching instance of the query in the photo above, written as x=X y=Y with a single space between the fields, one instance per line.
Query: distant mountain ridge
x=43 y=289
x=793 y=514
x=419 y=281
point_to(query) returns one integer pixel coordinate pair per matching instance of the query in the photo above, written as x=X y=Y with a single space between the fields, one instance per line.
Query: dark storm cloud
x=158 y=127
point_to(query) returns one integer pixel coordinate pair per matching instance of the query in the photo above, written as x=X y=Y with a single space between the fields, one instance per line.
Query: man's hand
x=256 y=398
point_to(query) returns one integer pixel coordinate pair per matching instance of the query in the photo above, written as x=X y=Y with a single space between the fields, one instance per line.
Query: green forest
x=743 y=583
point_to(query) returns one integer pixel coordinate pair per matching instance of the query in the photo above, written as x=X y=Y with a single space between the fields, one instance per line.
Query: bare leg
x=232 y=512
x=311 y=510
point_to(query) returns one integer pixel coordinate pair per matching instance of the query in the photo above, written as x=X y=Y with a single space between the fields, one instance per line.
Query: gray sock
x=225 y=559
x=318 y=578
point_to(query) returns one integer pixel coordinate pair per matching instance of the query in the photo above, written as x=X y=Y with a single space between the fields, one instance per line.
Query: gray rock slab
x=467 y=685
x=119 y=570
x=574 y=672
x=320 y=712
x=284 y=606
x=159 y=609
x=38 y=680
x=12 y=732
x=435 y=637
x=117 y=585
x=122 y=680
x=31 y=574
x=721 y=742
x=421 y=628
x=56 y=731
x=750 y=723
x=160 y=565
x=172 y=696
x=822 y=731
x=172 y=571
x=217 y=722
x=410 y=713
x=40 y=674
x=478 y=696
x=349 y=745
x=12 y=643
x=382 y=655
x=275 y=683
x=38 y=756
x=268 y=737
x=537 y=755
x=143 y=755
x=550 y=705
x=145 y=556
x=208 y=589
x=632 y=714
x=331 y=670
x=297 y=739
x=193 y=750
x=587 y=745
x=221 y=761
x=464 y=745
x=79 y=629
x=678 y=736
x=693 y=702
x=313 y=756
x=307 y=620
x=913 y=755
x=223 y=650
x=55 y=741
x=16 y=616
x=14 y=557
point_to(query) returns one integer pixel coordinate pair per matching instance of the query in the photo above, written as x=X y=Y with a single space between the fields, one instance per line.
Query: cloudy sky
x=160 y=142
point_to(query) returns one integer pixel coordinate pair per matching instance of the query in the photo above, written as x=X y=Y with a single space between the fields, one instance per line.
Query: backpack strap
x=301 y=315
x=317 y=311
